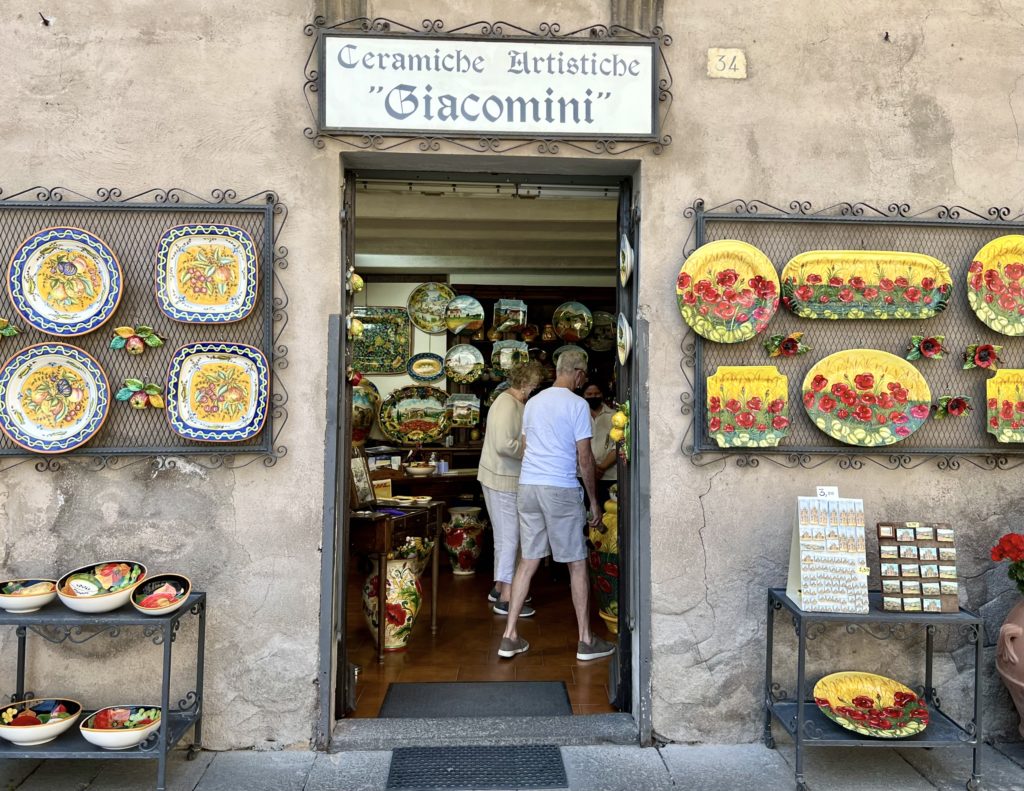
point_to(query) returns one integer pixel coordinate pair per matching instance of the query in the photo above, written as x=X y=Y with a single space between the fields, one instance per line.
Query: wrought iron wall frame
x=271 y=313
x=701 y=450
x=483 y=30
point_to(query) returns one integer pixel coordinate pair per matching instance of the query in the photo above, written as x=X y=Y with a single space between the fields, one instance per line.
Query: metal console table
x=55 y=623
x=804 y=721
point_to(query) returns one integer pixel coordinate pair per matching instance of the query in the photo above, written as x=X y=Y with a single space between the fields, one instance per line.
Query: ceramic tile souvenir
x=602 y=334
x=509 y=315
x=932 y=605
x=865 y=284
x=944 y=535
x=910 y=570
x=385 y=344
x=890 y=570
x=886 y=551
x=206 y=274
x=463 y=410
x=911 y=588
x=912 y=605
x=947 y=572
x=626 y=259
x=905 y=534
x=464 y=314
x=64 y=281
x=841 y=695
x=415 y=415
x=930 y=588
x=427 y=304
x=830 y=545
x=929 y=571
x=425 y=367
x=927 y=554
x=925 y=533
x=747 y=406
x=993 y=284
x=949 y=588
x=947 y=553
x=886 y=531
x=53 y=398
x=891 y=586
x=866 y=397
x=908 y=552
x=1005 y=394
x=507 y=354
x=892 y=603
x=623 y=338
x=218 y=392
x=727 y=291
x=463 y=363
x=572 y=321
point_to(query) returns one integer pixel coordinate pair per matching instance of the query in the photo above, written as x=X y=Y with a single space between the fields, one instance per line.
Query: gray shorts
x=551 y=521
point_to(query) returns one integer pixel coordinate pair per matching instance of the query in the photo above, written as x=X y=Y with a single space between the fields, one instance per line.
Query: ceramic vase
x=365 y=404
x=403 y=595
x=604 y=580
x=1010 y=657
x=462 y=539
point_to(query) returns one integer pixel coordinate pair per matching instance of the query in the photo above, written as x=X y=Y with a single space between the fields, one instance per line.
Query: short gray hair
x=531 y=373
x=570 y=360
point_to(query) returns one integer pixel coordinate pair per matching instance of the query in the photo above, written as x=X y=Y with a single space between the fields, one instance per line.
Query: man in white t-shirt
x=556 y=431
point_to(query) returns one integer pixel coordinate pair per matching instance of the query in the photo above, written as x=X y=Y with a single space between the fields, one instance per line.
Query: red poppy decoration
x=982 y=355
x=786 y=345
x=952 y=406
x=928 y=347
x=1011 y=547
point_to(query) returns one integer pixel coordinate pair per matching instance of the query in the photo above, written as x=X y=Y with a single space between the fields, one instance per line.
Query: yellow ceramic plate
x=995 y=280
x=1005 y=394
x=748 y=406
x=871 y=705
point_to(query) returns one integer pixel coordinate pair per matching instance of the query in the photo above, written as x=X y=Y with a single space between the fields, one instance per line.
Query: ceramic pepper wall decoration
x=7 y=330
x=952 y=406
x=786 y=345
x=930 y=348
x=134 y=340
x=982 y=355
x=140 y=395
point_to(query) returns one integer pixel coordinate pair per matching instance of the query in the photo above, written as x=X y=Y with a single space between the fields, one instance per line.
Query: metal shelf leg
x=769 y=740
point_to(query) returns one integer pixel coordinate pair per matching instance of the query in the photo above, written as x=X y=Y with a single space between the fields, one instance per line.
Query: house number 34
x=729 y=64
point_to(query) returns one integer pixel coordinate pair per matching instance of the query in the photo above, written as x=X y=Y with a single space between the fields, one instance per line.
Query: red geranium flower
x=864 y=381
x=689 y=298
x=842 y=414
x=1007 y=302
x=870 y=292
x=455 y=538
x=927 y=283
x=808 y=399
x=901 y=282
x=849 y=398
x=993 y=281
x=804 y=293
x=885 y=400
x=839 y=388
x=975 y=266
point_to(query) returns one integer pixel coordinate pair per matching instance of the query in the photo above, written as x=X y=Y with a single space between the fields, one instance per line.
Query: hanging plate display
x=463 y=363
x=865 y=284
x=425 y=367
x=994 y=284
x=1005 y=398
x=464 y=314
x=53 y=398
x=748 y=406
x=427 y=304
x=572 y=321
x=871 y=705
x=464 y=410
x=602 y=335
x=727 y=291
x=506 y=354
x=384 y=345
x=625 y=259
x=866 y=397
x=218 y=392
x=623 y=338
x=415 y=415
x=206 y=273
x=509 y=315
x=64 y=281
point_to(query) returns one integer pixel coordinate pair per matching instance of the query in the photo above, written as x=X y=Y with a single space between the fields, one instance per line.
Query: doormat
x=477 y=767
x=476 y=699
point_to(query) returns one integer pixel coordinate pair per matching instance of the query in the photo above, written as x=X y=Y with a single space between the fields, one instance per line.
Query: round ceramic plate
x=602 y=336
x=206 y=274
x=217 y=392
x=871 y=705
x=572 y=321
x=415 y=415
x=464 y=314
x=727 y=291
x=427 y=304
x=64 y=281
x=623 y=339
x=994 y=284
x=625 y=259
x=463 y=363
x=425 y=367
x=53 y=398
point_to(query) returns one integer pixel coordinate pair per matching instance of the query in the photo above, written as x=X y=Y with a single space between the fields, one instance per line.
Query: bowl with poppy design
x=161 y=594
x=26 y=595
x=100 y=587
x=37 y=721
x=120 y=727
x=871 y=705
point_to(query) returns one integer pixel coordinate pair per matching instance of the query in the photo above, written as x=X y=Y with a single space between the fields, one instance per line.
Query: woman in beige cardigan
x=498 y=474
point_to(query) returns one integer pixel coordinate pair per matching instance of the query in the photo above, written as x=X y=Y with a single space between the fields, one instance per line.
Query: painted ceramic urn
x=1010 y=657
x=462 y=536
x=365 y=405
x=403 y=595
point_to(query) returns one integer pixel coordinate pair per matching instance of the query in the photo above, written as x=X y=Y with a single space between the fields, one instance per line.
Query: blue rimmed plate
x=218 y=392
x=425 y=367
x=64 y=281
x=206 y=273
x=53 y=398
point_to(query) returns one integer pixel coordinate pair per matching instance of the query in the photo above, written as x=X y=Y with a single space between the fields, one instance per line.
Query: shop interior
x=513 y=254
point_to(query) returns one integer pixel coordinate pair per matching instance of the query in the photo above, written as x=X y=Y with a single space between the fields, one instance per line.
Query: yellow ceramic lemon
x=616 y=435
x=619 y=420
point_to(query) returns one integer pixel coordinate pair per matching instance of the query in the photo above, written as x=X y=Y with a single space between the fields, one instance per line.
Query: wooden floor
x=465 y=647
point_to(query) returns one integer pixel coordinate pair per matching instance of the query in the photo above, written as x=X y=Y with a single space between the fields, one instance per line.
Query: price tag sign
x=827 y=492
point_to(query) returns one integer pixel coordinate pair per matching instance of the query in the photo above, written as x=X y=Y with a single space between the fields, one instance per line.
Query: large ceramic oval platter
x=64 y=281
x=602 y=334
x=425 y=367
x=217 y=392
x=53 y=398
x=866 y=397
x=727 y=291
x=427 y=305
x=871 y=705
x=995 y=282
x=572 y=321
x=748 y=406
x=865 y=284
x=463 y=363
x=464 y=314
x=415 y=415
x=206 y=274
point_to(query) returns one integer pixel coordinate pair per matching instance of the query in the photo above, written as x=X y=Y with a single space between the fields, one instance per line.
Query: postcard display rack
x=57 y=624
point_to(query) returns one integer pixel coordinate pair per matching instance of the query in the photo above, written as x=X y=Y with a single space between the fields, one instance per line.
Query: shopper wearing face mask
x=606 y=470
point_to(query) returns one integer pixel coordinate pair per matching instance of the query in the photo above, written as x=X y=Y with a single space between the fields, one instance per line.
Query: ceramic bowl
x=161 y=593
x=30 y=735
x=422 y=499
x=26 y=595
x=420 y=469
x=100 y=587
x=123 y=738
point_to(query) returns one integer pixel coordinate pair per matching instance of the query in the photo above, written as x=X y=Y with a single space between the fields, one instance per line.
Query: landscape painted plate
x=427 y=304
x=995 y=282
x=64 y=281
x=871 y=705
x=507 y=354
x=425 y=367
x=463 y=363
x=464 y=314
x=572 y=321
x=415 y=415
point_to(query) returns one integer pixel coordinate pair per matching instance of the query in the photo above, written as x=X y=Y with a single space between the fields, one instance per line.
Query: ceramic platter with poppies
x=53 y=398
x=602 y=335
x=727 y=291
x=572 y=321
x=206 y=274
x=1005 y=399
x=506 y=354
x=64 y=281
x=218 y=392
x=427 y=305
x=425 y=367
x=415 y=415
x=871 y=705
x=866 y=397
x=464 y=314
x=463 y=363
x=995 y=284
x=748 y=406
x=865 y=284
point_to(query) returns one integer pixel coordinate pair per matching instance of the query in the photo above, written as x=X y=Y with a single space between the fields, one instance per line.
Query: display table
x=809 y=727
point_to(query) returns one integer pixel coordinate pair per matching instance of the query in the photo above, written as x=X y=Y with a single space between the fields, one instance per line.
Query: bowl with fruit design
x=37 y=721
x=26 y=595
x=100 y=587
x=161 y=593
x=120 y=727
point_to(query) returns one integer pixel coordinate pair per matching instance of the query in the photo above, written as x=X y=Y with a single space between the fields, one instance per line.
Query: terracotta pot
x=1010 y=657
x=462 y=540
x=403 y=595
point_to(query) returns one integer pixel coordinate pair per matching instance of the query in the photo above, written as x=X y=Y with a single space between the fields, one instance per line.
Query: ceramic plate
x=509 y=315
x=506 y=354
x=994 y=284
x=623 y=339
x=64 y=281
x=463 y=363
x=218 y=392
x=866 y=397
x=748 y=406
x=464 y=314
x=572 y=321
x=871 y=705
x=463 y=410
x=625 y=259
x=1005 y=398
x=385 y=343
x=425 y=367
x=206 y=274
x=602 y=336
x=53 y=398
x=427 y=304
x=727 y=291
x=415 y=415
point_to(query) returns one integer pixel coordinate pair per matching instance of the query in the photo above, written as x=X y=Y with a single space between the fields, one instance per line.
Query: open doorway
x=460 y=279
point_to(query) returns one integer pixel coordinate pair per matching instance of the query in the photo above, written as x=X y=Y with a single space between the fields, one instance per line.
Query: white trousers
x=501 y=508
